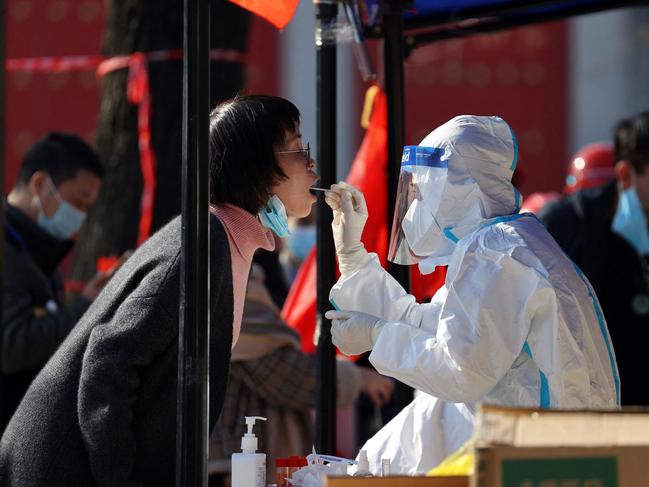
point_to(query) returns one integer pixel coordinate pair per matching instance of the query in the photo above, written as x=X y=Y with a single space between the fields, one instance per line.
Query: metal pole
x=326 y=12
x=394 y=90
x=3 y=20
x=193 y=334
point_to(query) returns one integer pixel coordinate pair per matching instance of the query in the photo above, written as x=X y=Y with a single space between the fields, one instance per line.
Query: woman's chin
x=304 y=211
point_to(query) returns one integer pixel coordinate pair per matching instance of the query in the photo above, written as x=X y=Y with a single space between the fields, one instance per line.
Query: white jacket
x=515 y=324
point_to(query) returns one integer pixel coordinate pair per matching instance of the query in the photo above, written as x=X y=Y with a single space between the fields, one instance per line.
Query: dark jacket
x=35 y=319
x=103 y=409
x=581 y=224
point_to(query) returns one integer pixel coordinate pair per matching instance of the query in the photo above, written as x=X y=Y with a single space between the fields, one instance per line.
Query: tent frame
x=325 y=421
x=3 y=104
x=474 y=21
x=192 y=409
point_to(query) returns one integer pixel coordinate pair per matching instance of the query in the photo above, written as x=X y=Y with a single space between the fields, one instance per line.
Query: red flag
x=277 y=12
x=369 y=174
x=299 y=309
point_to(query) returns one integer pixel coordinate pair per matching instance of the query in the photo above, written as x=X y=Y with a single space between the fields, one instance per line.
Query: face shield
x=415 y=230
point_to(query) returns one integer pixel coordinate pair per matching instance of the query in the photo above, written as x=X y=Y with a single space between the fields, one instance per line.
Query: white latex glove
x=354 y=332
x=349 y=217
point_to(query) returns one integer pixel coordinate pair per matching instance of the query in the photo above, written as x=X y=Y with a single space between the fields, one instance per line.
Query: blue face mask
x=65 y=222
x=273 y=216
x=301 y=241
x=630 y=221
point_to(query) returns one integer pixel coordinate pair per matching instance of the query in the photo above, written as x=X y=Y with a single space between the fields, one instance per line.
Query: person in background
x=58 y=181
x=103 y=409
x=604 y=231
x=271 y=377
x=515 y=323
x=297 y=246
x=271 y=264
x=593 y=165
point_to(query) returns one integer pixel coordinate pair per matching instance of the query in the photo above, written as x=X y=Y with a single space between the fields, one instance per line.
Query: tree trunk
x=148 y=25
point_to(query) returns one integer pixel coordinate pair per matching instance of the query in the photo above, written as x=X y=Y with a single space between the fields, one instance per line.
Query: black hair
x=632 y=141
x=245 y=132
x=61 y=155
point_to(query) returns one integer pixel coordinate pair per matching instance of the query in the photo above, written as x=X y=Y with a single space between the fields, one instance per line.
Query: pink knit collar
x=244 y=229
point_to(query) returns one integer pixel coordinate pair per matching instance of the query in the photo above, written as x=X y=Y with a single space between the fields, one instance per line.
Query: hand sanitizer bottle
x=249 y=467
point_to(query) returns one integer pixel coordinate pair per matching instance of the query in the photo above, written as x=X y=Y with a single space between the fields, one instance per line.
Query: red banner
x=278 y=12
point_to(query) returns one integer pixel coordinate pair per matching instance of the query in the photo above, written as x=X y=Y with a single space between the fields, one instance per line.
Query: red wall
x=519 y=74
x=262 y=68
x=41 y=102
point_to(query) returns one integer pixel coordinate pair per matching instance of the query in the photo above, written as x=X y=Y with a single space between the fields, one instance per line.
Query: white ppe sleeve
x=482 y=327
x=371 y=289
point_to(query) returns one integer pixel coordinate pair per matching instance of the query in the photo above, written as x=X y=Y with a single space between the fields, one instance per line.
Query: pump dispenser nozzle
x=249 y=440
x=249 y=467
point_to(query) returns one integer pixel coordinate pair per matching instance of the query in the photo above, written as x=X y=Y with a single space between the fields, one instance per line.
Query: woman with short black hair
x=103 y=410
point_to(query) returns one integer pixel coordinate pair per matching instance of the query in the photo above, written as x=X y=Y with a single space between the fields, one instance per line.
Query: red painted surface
x=277 y=12
x=262 y=69
x=40 y=102
x=518 y=74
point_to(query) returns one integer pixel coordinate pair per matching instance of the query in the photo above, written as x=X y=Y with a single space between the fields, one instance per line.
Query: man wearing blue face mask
x=605 y=232
x=58 y=181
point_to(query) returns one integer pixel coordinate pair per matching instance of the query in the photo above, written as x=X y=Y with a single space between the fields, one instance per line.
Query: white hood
x=481 y=154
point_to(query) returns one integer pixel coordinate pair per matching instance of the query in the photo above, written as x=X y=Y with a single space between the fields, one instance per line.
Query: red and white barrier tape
x=53 y=64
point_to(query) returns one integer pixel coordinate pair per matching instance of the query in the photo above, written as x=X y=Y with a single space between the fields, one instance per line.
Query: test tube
x=281 y=465
x=385 y=467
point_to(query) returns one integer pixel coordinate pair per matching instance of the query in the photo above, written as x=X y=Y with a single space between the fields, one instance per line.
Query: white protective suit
x=515 y=324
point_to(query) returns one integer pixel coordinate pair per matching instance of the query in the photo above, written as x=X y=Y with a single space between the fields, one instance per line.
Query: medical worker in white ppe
x=516 y=322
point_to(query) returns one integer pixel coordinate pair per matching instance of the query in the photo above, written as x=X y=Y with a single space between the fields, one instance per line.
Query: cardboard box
x=563 y=467
x=397 y=482
x=544 y=448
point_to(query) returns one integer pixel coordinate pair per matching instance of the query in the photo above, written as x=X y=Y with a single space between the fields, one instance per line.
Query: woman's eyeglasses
x=306 y=153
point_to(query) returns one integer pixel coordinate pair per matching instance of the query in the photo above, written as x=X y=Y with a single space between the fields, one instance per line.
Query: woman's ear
x=625 y=174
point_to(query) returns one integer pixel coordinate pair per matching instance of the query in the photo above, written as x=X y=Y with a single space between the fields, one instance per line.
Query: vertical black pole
x=3 y=20
x=326 y=12
x=394 y=89
x=193 y=337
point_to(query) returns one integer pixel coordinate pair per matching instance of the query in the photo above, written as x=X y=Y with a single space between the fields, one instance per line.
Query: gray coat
x=103 y=409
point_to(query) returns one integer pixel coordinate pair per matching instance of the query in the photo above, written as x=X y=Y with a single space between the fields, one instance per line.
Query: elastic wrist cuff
x=350 y=262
